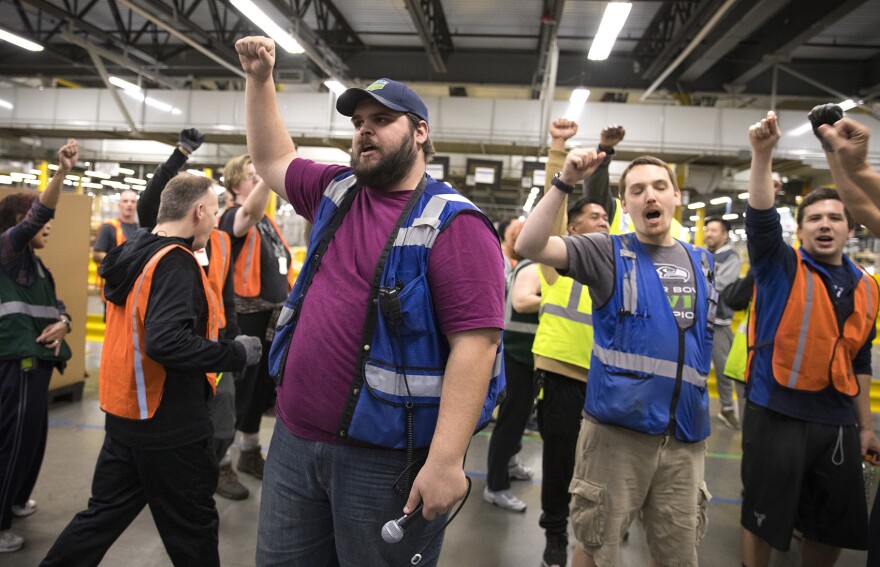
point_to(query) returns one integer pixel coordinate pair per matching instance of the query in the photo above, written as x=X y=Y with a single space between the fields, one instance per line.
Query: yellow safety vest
x=565 y=328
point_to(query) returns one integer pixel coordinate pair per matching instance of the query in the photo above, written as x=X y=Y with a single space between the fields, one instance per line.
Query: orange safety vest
x=218 y=269
x=809 y=352
x=120 y=238
x=130 y=383
x=247 y=265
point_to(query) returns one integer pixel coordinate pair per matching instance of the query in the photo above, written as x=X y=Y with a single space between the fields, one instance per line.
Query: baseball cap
x=386 y=92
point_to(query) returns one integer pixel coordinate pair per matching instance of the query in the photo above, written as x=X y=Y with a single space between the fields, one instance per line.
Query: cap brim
x=347 y=102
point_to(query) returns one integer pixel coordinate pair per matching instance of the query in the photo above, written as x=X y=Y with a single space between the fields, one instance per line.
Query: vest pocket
x=588 y=514
x=416 y=307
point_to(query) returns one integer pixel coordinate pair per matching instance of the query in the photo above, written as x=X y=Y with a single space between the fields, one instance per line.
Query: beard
x=391 y=168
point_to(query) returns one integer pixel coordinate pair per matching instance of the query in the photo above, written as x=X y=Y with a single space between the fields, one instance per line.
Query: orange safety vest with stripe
x=809 y=351
x=247 y=265
x=218 y=268
x=131 y=383
x=120 y=238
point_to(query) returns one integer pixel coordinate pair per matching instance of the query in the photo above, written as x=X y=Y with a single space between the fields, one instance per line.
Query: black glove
x=824 y=114
x=190 y=139
x=253 y=348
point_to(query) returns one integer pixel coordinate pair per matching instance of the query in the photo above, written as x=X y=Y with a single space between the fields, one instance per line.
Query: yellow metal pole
x=701 y=226
x=272 y=205
x=44 y=175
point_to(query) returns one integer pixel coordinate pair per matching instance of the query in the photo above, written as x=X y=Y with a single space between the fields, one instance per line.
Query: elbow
x=521 y=247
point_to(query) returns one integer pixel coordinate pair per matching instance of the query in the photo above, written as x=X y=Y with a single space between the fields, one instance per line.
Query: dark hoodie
x=176 y=326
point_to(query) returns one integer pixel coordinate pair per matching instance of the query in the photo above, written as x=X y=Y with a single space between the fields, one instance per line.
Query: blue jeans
x=325 y=505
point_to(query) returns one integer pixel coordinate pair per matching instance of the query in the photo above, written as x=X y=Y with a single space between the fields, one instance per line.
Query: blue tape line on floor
x=55 y=422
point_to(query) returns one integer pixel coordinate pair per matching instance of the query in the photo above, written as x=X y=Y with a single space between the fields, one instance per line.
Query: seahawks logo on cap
x=377 y=86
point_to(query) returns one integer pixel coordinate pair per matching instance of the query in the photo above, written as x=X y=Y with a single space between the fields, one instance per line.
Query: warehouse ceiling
x=733 y=53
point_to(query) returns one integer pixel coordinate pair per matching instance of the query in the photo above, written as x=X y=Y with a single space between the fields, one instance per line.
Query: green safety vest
x=24 y=313
x=519 y=328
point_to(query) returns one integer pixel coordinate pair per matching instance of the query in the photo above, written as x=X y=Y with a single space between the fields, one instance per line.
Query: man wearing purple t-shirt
x=326 y=496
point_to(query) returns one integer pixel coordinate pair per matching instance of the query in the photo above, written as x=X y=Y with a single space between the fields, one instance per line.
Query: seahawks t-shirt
x=591 y=262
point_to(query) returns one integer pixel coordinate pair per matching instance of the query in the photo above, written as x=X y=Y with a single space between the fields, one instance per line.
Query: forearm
x=555 y=161
x=598 y=188
x=863 y=402
x=860 y=192
x=465 y=383
x=535 y=235
x=50 y=196
x=761 y=192
x=98 y=257
x=148 y=203
x=253 y=209
x=269 y=144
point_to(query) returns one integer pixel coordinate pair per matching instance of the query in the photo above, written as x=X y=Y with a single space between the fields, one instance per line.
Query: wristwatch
x=561 y=185
x=66 y=320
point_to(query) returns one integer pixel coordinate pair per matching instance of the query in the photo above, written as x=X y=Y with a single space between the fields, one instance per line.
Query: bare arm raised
x=536 y=241
x=763 y=137
x=857 y=183
x=269 y=144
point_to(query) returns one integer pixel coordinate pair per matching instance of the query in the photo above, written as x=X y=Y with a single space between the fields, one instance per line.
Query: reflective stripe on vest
x=392 y=383
x=565 y=330
x=645 y=364
x=524 y=327
x=22 y=308
x=569 y=312
x=120 y=235
x=809 y=350
x=218 y=269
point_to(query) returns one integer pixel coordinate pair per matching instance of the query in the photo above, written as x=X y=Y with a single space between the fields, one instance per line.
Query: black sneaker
x=556 y=551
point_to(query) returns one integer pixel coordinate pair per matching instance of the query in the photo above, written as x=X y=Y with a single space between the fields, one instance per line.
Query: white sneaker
x=504 y=499
x=516 y=470
x=10 y=541
x=24 y=511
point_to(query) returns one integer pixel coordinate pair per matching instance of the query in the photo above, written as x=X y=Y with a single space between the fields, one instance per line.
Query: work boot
x=251 y=461
x=228 y=485
x=10 y=541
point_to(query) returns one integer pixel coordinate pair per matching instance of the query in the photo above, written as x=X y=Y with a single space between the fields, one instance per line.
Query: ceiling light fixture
x=273 y=30
x=576 y=102
x=335 y=86
x=697 y=205
x=20 y=41
x=6 y=104
x=612 y=22
x=719 y=200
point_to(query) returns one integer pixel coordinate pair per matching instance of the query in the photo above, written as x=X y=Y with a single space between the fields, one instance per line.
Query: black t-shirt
x=106 y=239
x=273 y=283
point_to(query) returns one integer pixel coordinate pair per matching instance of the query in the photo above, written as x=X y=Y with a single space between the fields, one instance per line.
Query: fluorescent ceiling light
x=335 y=86
x=198 y=172
x=579 y=96
x=125 y=171
x=124 y=85
x=694 y=218
x=6 y=104
x=90 y=185
x=848 y=104
x=730 y=216
x=801 y=130
x=697 y=205
x=98 y=174
x=135 y=181
x=743 y=196
x=612 y=22
x=20 y=41
x=273 y=30
x=36 y=171
x=719 y=200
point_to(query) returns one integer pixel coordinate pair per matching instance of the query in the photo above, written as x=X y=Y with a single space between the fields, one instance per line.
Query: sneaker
x=728 y=418
x=10 y=541
x=556 y=551
x=504 y=499
x=229 y=486
x=516 y=470
x=251 y=461
x=24 y=511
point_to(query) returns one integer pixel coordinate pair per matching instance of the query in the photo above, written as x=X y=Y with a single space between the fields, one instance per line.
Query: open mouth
x=825 y=238
x=652 y=215
x=367 y=148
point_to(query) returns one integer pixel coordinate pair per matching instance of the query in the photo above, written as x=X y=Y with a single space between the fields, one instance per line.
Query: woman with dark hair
x=33 y=324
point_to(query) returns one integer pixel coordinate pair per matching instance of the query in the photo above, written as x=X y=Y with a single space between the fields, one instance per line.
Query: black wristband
x=561 y=185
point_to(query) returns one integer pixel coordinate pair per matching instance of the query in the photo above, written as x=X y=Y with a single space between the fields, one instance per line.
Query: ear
x=677 y=194
x=421 y=133
x=623 y=205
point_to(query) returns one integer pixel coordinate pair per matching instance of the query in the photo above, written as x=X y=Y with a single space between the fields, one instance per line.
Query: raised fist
x=824 y=114
x=562 y=128
x=257 y=56
x=190 y=139
x=68 y=155
x=763 y=135
x=611 y=136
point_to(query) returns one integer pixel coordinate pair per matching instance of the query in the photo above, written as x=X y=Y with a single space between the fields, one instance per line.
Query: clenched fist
x=257 y=56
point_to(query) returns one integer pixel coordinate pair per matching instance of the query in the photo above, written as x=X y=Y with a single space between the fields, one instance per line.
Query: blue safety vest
x=642 y=376
x=400 y=366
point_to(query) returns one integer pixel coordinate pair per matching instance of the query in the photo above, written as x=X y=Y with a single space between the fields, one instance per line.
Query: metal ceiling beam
x=82 y=25
x=430 y=22
x=673 y=24
x=120 y=60
x=99 y=65
x=743 y=26
x=163 y=21
x=713 y=21
x=786 y=32
x=550 y=17
x=316 y=48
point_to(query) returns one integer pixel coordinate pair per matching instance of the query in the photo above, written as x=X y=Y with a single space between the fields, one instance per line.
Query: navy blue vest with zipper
x=397 y=363
x=641 y=377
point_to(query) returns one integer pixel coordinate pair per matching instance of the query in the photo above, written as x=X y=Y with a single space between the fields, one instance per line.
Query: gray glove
x=253 y=348
x=190 y=139
x=824 y=114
